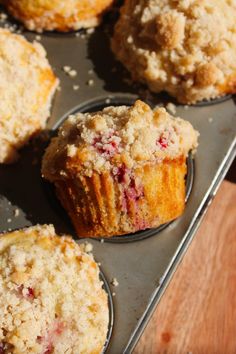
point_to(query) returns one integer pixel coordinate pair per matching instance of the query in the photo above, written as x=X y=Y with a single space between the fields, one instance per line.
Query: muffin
x=52 y=300
x=187 y=48
x=60 y=15
x=120 y=170
x=27 y=85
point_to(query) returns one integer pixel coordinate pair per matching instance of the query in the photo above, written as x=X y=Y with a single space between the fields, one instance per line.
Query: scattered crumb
x=99 y=264
x=88 y=247
x=102 y=240
x=3 y=16
x=38 y=38
x=108 y=101
x=77 y=34
x=16 y=212
x=90 y=82
x=90 y=72
x=114 y=282
x=186 y=107
x=210 y=120
x=82 y=36
x=113 y=294
x=171 y=108
x=90 y=31
x=9 y=220
x=75 y=87
x=72 y=73
x=66 y=68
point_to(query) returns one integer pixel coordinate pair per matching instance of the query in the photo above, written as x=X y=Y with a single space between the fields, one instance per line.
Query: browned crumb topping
x=51 y=298
x=186 y=47
x=27 y=84
x=116 y=136
x=61 y=15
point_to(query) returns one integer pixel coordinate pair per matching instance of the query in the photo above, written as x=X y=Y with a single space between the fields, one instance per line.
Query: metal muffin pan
x=143 y=268
x=111 y=310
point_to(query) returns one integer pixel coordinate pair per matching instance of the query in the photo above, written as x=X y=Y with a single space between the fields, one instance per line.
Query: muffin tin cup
x=213 y=101
x=97 y=105
x=142 y=269
x=111 y=309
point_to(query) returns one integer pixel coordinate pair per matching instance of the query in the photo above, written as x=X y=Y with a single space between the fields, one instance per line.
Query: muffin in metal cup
x=120 y=170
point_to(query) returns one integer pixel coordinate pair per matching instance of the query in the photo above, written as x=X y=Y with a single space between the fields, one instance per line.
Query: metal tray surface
x=142 y=268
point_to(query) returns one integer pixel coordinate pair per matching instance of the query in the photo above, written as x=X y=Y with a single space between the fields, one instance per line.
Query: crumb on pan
x=16 y=213
x=88 y=247
x=171 y=108
x=114 y=282
x=90 y=82
x=75 y=87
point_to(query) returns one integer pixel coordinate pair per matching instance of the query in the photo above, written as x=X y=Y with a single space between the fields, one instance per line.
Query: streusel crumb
x=186 y=47
x=51 y=297
x=27 y=84
x=60 y=15
x=105 y=140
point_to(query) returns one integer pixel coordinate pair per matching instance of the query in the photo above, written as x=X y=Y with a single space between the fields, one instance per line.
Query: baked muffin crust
x=61 y=15
x=51 y=297
x=186 y=47
x=102 y=141
x=120 y=170
x=27 y=84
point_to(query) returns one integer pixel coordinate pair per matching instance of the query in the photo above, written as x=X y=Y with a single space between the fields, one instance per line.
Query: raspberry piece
x=121 y=174
x=49 y=349
x=106 y=145
x=30 y=293
x=162 y=142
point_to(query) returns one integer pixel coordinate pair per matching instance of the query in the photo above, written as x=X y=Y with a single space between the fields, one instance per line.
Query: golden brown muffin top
x=61 y=15
x=27 y=84
x=51 y=298
x=186 y=47
x=104 y=140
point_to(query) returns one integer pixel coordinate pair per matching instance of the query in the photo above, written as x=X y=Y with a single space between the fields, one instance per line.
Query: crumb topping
x=186 y=47
x=62 y=15
x=115 y=139
x=52 y=300
x=27 y=84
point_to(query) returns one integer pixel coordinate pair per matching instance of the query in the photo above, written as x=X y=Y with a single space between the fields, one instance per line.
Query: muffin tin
x=143 y=267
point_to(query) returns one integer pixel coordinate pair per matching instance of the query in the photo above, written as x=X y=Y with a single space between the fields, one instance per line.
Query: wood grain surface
x=197 y=313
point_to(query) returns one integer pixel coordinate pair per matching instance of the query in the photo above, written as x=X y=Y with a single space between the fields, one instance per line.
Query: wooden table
x=197 y=313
